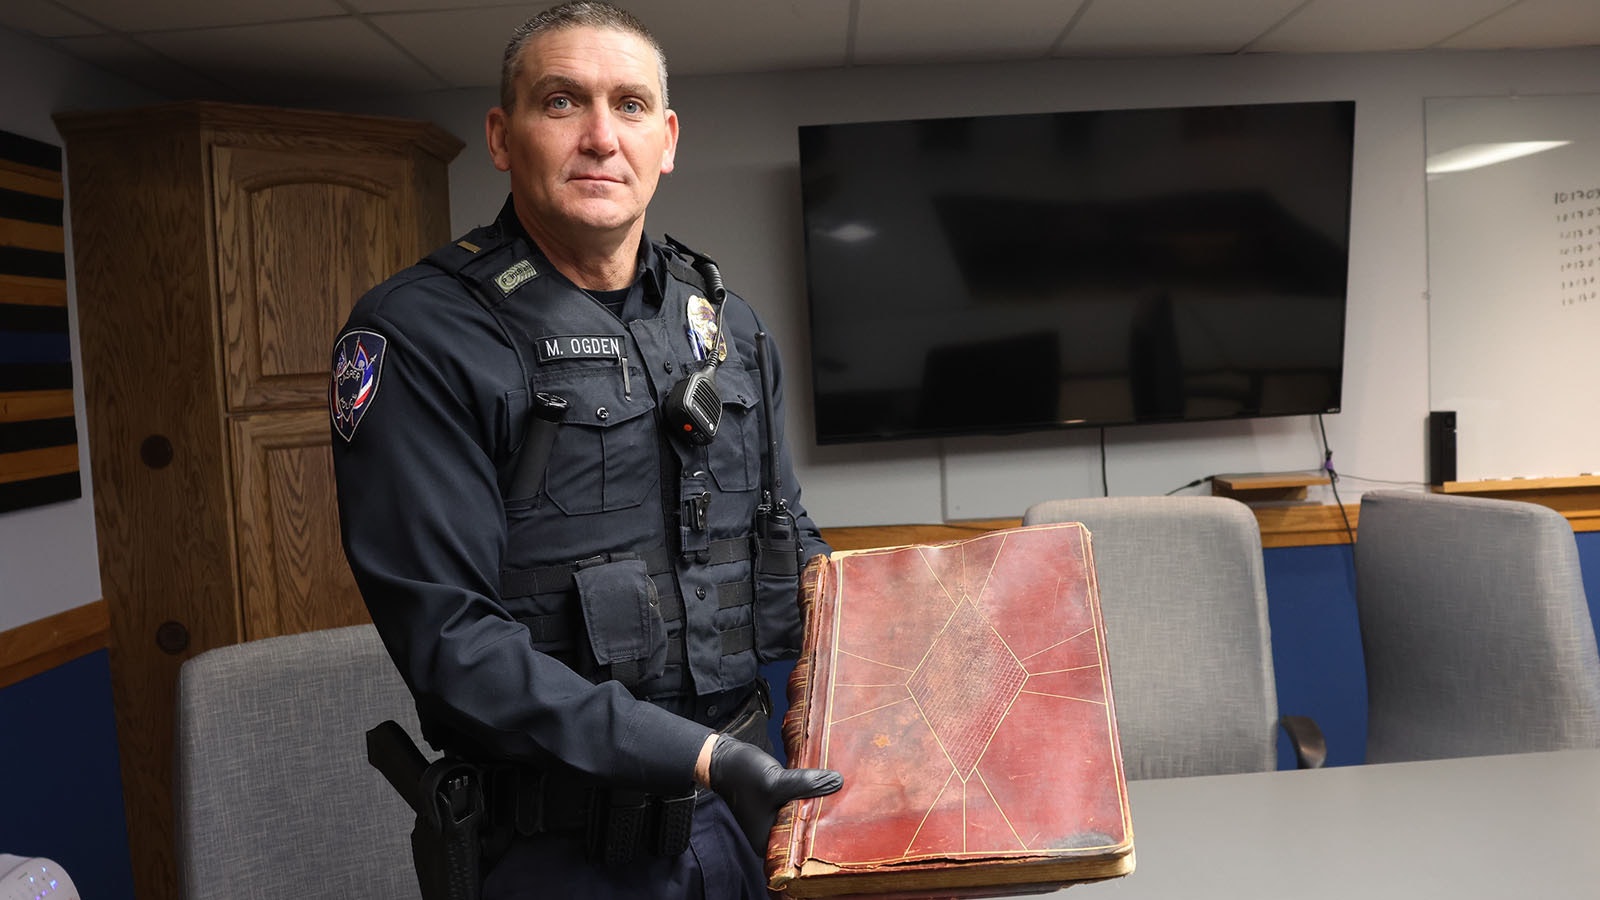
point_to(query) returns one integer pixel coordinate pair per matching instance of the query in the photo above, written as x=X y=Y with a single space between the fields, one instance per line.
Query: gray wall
x=736 y=193
x=48 y=561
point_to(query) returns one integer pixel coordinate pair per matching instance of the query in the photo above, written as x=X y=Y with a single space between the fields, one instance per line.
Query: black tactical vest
x=632 y=558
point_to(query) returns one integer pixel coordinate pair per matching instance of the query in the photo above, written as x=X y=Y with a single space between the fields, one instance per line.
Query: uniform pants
x=719 y=865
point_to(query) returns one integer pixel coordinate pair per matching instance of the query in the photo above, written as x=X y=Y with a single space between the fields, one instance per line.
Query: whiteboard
x=1514 y=282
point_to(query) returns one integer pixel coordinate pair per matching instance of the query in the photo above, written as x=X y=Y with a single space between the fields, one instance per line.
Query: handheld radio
x=777 y=537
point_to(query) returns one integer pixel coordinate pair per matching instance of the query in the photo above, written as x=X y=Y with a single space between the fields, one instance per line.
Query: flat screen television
x=997 y=274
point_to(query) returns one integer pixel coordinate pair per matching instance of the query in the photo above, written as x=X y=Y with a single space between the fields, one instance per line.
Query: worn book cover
x=963 y=691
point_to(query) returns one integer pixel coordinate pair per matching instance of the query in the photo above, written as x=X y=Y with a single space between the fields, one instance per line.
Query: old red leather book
x=963 y=691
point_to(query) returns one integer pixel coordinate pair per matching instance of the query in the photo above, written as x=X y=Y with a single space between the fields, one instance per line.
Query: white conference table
x=1525 y=827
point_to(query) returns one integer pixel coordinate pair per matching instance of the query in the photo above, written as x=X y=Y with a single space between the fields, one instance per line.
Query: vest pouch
x=735 y=456
x=622 y=615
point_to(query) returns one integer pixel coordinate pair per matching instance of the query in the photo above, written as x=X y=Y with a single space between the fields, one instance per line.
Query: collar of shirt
x=651 y=266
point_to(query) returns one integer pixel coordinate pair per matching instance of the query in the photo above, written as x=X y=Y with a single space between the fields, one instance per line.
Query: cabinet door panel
x=300 y=237
x=293 y=575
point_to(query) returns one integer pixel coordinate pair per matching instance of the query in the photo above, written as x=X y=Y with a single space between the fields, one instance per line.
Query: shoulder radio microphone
x=694 y=405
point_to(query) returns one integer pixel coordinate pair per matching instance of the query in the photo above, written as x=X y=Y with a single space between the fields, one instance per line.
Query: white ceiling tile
x=918 y=31
x=524 y=9
x=700 y=36
x=335 y=45
x=123 y=56
x=1372 y=25
x=463 y=47
x=1148 y=27
x=298 y=60
x=45 y=19
x=704 y=37
x=164 y=15
x=1535 y=23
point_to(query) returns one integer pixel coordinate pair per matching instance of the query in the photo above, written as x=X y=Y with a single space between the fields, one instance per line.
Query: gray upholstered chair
x=1475 y=628
x=1184 y=600
x=273 y=794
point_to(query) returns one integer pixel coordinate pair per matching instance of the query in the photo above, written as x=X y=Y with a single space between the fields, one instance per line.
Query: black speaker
x=1441 y=446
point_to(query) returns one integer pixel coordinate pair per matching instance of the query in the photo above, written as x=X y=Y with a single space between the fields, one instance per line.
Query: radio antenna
x=773 y=486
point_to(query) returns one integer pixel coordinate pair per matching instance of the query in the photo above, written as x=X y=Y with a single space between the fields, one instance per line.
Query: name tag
x=579 y=346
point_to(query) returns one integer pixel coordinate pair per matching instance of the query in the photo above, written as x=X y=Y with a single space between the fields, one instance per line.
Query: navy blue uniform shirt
x=475 y=592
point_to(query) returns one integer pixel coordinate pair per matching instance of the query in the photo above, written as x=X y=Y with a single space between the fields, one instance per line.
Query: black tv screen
x=1023 y=272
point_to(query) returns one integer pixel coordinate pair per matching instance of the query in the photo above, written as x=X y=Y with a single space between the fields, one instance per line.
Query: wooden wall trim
x=1305 y=524
x=1576 y=498
x=1294 y=525
x=29 y=649
x=1289 y=525
x=867 y=537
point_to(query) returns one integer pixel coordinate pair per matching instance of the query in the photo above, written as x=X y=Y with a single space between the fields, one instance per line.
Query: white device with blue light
x=35 y=878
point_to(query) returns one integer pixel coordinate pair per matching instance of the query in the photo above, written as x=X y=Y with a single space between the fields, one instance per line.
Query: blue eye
x=560 y=103
x=632 y=107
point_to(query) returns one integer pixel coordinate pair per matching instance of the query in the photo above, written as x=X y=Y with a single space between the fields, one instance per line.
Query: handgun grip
x=391 y=751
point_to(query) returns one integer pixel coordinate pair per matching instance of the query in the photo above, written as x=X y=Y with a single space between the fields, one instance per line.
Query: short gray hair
x=580 y=14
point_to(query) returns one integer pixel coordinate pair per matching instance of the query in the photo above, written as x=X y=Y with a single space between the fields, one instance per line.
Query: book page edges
x=1002 y=875
x=789 y=844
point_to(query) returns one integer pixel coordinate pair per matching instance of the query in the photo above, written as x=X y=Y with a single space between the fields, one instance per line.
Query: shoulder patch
x=357 y=367
x=520 y=273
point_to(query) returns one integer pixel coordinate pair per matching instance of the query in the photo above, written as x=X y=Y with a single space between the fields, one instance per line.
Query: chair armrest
x=1310 y=747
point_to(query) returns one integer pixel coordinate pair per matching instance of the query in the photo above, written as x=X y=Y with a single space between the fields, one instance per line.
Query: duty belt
x=560 y=628
x=616 y=826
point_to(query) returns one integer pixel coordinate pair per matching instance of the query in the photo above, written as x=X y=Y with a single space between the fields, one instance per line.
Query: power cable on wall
x=1105 y=486
x=1333 y=483
x=1183 y=487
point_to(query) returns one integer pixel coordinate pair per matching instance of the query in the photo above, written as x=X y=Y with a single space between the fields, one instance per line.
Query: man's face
x=588 y=138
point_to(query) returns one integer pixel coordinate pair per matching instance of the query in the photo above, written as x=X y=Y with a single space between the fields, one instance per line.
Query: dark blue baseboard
x=63 y=783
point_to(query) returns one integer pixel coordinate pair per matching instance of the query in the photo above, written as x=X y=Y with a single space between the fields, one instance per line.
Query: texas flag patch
x=357 y=366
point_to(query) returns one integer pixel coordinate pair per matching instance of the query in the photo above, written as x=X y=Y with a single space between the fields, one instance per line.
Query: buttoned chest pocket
x=735 y=454
x=605 y=456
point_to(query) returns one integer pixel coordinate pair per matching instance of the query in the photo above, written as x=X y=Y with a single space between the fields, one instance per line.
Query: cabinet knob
x=156 y=451
x=172 y=637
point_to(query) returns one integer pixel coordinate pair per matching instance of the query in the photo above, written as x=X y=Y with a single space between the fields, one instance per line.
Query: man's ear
x=495 y=126
x=669 y=156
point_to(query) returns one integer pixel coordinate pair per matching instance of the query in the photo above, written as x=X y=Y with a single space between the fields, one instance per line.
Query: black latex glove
x=755 y=785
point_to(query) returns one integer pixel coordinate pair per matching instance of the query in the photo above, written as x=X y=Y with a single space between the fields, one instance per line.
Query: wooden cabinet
x=218 y=249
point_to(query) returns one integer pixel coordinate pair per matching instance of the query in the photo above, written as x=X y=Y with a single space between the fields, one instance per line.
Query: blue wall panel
x=1589 y=558
x=63 y=798
x=1316 y=640
x=1316 y=647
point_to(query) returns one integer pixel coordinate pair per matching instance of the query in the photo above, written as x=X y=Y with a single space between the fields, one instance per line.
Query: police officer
x=589 y=634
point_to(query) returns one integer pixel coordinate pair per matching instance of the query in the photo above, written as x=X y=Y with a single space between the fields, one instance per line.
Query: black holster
x=445 y=842
x=447 y=796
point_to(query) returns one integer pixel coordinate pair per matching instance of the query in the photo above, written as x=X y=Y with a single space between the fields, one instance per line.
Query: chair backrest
x=274 y=797
x=1184 y=599
x=1475 y=628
